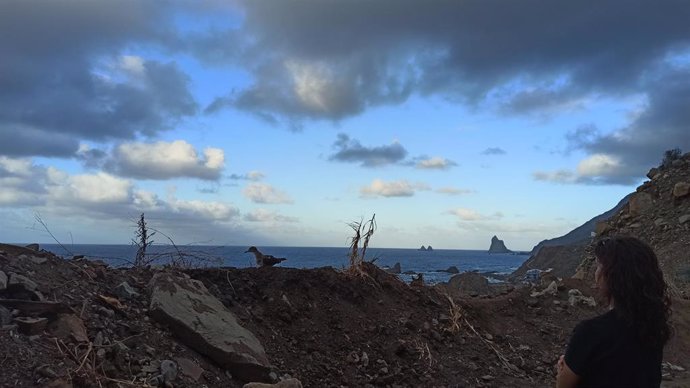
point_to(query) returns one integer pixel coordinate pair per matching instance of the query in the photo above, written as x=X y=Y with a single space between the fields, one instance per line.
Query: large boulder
x=469 y=284
x=640 y=203
x=201 y=322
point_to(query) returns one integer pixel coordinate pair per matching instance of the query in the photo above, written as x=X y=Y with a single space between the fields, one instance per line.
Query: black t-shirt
x=605 y=352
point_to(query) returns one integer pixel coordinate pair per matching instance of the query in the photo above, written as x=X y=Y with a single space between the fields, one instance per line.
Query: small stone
x=189 y=368
x=660 y=222
x=364 y=359
x=125 y=291
x=168 y=371
x=287 y=383
x=98 y=340
x=532 y=302
x=69 y=325
x=33 y=247
x=106 y=311
x=45 y=371
x=31 y=326
x=681 y=220
x=37 y=259
x=383 y=371
x=681 y=189
x=20 y=280
x=488 y=336
x=100 y=354
x=487 y=377
x=5 y=316
x=653 y=173
x=352 y=357
x=3 y=281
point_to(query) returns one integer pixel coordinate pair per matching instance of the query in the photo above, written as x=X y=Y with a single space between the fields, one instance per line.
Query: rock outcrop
x=658 y=213
x=468 y=284
x=498 y=246
x=201 y=322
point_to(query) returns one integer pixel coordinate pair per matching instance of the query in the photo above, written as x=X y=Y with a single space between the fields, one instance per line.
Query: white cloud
x=597 y=165
x=265 y=215
x=454 y=191
x=595 y=169
x=472 y=215
x=212 y=210
x=94 y=195
x=166 y=160
x=401 y=188
x=132 y=64
x=311 y=84
x=558 y=176
x=98 y=188
x=435 y=163
x=265 y=193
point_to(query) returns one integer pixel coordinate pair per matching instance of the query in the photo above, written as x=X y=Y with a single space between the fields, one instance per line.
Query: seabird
x=264 y=260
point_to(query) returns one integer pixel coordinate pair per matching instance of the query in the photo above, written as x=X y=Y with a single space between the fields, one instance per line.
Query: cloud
x=250 y=176
x=494 y=151
x=64 y=79
x=104 y=197
x=351 y=151
x=435 y=163
x=265 y=193
x=623 y=156
x=558 y=176
x=268 y=216
x=454 y=191
x=462 y=50
x=464 y=214
x=165 y=160
x=401 y=188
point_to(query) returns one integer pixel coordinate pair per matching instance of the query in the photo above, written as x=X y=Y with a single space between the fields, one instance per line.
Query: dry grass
x=363 y=232
x=456 y=315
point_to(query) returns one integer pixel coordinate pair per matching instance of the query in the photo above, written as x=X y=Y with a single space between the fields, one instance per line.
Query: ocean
x=429 y=263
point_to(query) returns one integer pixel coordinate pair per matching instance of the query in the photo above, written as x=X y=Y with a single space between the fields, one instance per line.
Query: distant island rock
x=423 y=248
x=498 y=246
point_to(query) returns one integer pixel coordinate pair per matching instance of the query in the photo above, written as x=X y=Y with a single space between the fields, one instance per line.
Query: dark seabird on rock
x=264 y=260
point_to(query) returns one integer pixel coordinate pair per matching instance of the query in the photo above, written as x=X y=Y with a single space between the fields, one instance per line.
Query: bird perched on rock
x=264 y=260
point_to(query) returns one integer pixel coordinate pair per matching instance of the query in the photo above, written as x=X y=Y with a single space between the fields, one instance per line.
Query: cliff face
x=565 y=253
x=659 y=214
x=498 y=246
x=582 y=234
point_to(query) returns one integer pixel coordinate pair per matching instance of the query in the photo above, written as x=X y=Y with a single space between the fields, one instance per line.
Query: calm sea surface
x=426 y=262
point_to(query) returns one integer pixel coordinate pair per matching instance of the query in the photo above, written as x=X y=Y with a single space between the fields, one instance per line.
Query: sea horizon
x=432 y=264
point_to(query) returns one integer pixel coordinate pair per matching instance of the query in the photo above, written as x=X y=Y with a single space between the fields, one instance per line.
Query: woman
x=624 y=346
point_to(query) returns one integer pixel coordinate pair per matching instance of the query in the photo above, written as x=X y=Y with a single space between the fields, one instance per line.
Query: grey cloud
x=371 y=54
x=60 y=81
x=17 y=140
x=494 y=151
x=663 y=125
x=352 y=151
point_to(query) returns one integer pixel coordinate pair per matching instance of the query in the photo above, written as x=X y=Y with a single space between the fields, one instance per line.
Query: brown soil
x=314 y=324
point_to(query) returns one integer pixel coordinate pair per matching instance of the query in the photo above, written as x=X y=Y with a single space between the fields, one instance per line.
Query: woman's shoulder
x=599 y=324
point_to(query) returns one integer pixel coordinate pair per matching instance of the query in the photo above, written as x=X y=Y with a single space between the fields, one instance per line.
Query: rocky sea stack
x=498 y=246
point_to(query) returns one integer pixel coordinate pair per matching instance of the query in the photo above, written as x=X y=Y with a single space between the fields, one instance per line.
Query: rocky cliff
x=582 y=234
x=498 y=246
x=564 y=254
x=659 y=214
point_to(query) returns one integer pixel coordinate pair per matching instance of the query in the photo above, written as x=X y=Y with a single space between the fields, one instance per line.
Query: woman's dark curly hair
x=634 y=282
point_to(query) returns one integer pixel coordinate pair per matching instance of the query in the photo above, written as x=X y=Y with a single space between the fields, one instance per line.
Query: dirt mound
x=326 y=328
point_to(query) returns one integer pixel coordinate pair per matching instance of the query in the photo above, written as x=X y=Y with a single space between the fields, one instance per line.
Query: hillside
x=659 y=214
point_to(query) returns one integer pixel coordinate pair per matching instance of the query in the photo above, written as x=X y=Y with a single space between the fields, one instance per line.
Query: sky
x=277 y=123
